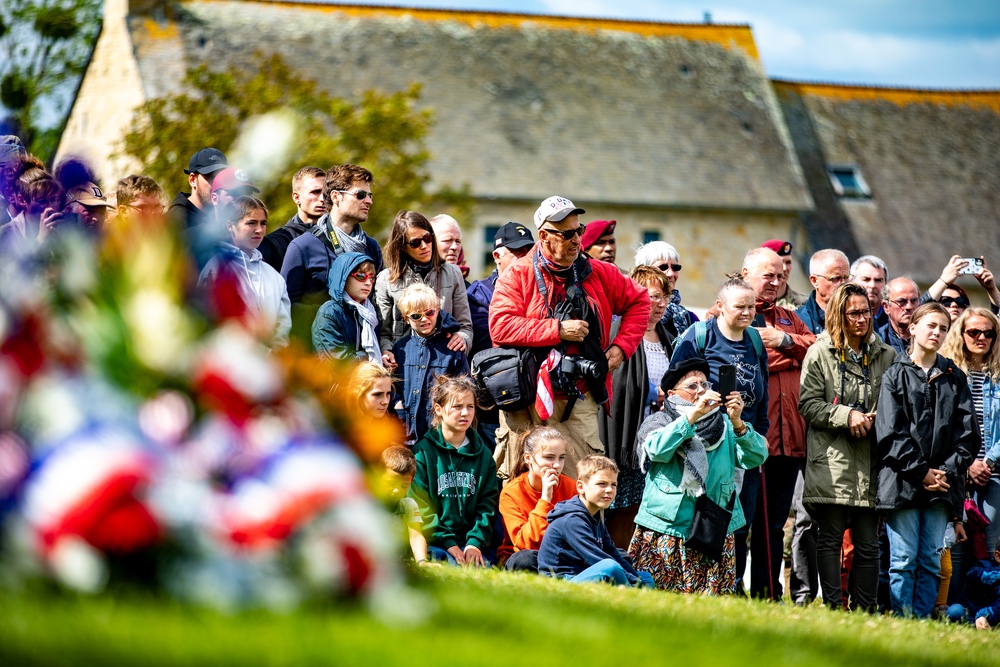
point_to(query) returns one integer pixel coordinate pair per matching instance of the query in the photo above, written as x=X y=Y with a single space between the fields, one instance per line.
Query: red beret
x=596 y=230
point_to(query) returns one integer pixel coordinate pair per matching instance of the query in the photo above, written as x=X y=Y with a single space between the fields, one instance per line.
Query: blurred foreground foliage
x=383 y=132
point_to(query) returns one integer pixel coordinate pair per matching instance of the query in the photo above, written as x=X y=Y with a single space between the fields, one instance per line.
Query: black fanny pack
x=507 y=377
x=710 y=526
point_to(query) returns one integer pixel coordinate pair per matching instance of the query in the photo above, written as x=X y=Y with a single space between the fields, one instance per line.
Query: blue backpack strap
x=700 y=334
x=755 y=339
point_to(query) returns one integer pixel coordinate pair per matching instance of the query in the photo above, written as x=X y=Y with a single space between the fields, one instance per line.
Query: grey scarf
x=356 y=241
x=369 y=320
x=709 y=432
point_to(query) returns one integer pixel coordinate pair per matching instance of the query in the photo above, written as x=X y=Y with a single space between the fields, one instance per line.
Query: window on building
x=489 y=232
x=650 y=235
x=847 y=181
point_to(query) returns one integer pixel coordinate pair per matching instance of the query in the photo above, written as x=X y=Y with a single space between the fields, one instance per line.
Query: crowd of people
x=866 y=411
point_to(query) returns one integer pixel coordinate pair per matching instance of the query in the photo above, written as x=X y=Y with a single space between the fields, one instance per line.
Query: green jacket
x=456 y=490
x=668 y=510
x=840 y=469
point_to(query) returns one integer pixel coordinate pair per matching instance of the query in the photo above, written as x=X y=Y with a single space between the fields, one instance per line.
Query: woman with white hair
x=663 y=256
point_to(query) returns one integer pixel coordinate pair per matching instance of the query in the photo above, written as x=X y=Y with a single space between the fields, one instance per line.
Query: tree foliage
x=44 y=47
x=384 y=132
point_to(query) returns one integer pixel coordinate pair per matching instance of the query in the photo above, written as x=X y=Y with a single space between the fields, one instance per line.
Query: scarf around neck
x=369 y=320
x=709 y=432
x=678 y=314
x=355 y=241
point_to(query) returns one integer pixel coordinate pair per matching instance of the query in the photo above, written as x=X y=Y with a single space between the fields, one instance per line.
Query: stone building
x=674 y=130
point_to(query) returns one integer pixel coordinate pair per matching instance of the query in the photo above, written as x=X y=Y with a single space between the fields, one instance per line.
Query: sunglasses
x=948 y=301
x=416 y=243
x=667 y=265
x=429 y=314
x=361 y=195
x=976 y=333
x=363 y=276
x=568 y=234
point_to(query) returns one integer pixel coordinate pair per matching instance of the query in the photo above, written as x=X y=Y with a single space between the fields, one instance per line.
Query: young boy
x=347 y=326
x=982 y=594
x=400 y=466
x=423 y=354
x=577 y=545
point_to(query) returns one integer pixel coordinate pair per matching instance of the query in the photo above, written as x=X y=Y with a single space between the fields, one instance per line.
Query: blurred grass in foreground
x=483 y=619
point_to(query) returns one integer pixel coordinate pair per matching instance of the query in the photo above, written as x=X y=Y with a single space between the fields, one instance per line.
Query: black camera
x=576 y=367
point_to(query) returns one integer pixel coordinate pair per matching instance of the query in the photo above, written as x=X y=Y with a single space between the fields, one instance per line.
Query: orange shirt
x=525 y=513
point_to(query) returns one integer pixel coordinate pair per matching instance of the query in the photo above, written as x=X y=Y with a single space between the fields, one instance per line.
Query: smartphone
x=727 y=380
x=974 y=266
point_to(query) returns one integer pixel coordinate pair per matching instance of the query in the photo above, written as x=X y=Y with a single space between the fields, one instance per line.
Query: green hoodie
x=456 y=489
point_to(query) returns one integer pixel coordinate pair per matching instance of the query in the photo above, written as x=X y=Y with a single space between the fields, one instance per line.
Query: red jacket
x=518 y=316
x=787 y=434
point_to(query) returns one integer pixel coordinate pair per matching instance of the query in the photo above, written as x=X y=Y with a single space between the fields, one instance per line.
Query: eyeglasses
x=692 y=387
x=657 y=297
x=429 y=314
x=363 y=277
x=834 y=280
x=416 y=243
x=361 y=195
x=976 y=333
x=858 y=314
x=903 y=303
x=147 y=209
x=568 y=234
x=673 y=267
x=948 y=301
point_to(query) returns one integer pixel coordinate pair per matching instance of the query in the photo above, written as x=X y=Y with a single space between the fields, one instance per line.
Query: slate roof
x=930 y=157
x=664 y=115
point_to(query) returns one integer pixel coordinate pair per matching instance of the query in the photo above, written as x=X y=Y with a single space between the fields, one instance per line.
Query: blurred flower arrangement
x=148 y=433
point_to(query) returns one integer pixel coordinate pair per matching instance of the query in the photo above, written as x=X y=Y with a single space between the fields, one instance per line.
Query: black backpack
x=507 y=377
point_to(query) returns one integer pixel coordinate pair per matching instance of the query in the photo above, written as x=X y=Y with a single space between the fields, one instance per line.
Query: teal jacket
x=668 y=510
x=456 y=490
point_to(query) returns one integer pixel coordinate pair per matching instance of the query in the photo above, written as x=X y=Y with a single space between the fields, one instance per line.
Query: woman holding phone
x=839 y=388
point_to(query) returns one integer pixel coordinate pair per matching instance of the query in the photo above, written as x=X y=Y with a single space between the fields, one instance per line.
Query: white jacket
x=262 y=287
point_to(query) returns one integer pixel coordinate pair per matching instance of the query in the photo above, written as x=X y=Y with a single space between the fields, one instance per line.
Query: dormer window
x=847 y=181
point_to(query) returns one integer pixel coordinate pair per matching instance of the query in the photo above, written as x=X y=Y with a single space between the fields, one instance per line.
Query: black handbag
x=710 y=526
x=507 y=377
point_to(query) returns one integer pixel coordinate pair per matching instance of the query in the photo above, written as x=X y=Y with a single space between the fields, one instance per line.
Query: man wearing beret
x=598 y=241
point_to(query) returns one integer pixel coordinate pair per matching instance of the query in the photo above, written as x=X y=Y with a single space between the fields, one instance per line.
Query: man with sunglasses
x=557 y=297
x=347 y=198
x=902 y=296
x=828 y=270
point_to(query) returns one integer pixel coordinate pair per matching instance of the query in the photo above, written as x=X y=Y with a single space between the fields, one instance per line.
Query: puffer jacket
x=449 y=285
x=262 y=288
x=925 y=420
x=336 y=331
x=420 y=360
x=518 y=317
x=840 y=469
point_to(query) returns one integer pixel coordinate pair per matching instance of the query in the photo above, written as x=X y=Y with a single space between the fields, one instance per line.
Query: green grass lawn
x=480 y=619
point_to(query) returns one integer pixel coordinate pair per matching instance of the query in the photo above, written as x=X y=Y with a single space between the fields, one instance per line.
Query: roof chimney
x=708 y=17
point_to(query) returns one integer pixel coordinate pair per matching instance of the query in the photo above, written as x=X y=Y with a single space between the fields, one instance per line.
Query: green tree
x=44 y=48
x=383 y=132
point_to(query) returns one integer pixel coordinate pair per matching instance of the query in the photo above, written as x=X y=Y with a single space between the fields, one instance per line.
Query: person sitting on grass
x=456 y=483
x=577 y=546
x=347 y=326
x=982 y=594
x=400 y=466
x=693 y=447
x=537 y=486
x=423 y=354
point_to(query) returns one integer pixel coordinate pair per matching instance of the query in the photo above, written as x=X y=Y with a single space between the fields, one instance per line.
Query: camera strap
x=865 y=373
x=543 y=290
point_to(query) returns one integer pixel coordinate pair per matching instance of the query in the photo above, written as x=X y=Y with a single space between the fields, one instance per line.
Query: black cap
x=513 y=235
x=677 y=372
x=207 y=161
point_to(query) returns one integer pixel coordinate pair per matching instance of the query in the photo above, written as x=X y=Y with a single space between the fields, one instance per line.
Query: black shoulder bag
x=710 y=526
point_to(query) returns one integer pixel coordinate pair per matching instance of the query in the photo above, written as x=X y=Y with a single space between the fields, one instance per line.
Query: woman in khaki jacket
x=841 y=378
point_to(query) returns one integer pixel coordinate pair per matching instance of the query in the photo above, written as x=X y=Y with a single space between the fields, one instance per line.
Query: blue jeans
x=439 y=554
x=916 y=540
x=609 y=570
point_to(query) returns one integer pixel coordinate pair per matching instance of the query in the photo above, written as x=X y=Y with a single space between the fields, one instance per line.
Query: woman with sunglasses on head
x=927 y=436
x=411 y=257
x=839 y=388
x=664 y=257
x=972 y=345
x=347 y=326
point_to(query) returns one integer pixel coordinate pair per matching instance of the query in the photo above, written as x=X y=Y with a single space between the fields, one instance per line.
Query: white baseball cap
x=555 y=209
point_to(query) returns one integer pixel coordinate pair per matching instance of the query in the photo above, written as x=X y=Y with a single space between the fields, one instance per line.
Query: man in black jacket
x=307 y=193
x=191 y=210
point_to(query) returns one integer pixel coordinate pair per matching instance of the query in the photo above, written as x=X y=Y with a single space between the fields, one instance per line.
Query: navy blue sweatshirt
x=575 y=540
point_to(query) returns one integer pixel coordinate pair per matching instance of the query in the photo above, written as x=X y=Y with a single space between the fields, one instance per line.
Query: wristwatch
x=992 y=465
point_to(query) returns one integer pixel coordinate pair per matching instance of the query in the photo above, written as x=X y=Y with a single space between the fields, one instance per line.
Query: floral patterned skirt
x=675 y=568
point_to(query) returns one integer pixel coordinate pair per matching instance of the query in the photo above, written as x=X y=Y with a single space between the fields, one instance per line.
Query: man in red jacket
x=525 y=313
x=766 y=495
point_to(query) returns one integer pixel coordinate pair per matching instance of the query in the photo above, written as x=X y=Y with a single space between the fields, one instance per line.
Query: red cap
x=783 y=248
x=596 y=230
x=232 y=178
